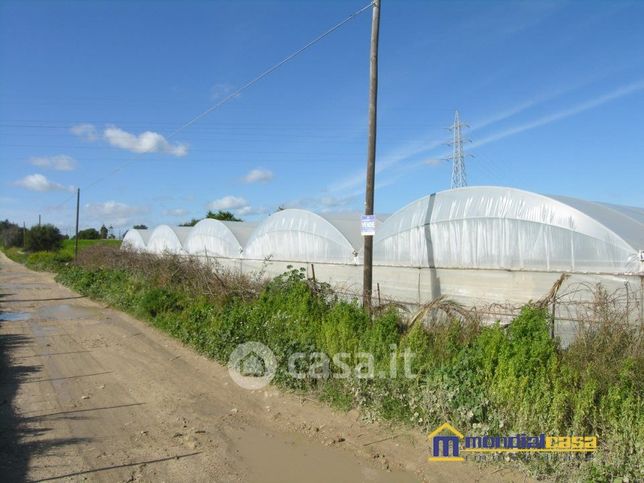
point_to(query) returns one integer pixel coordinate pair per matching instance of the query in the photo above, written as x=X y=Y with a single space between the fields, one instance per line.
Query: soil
x=88 y=393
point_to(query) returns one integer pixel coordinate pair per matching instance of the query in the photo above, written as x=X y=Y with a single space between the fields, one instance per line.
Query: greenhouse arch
x=303 y=236
x=510 y=229
x=136 y=239
x=215 y=238
x=168 y=239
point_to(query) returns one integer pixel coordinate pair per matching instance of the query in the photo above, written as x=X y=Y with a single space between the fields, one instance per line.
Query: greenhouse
x=215 y=238
x=510 y=229
x=168 y=239
x=475 y=245
x=303 y=236
x=136 y=239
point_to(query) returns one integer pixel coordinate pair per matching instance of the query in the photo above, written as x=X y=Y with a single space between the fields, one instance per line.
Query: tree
x=222 y=215
x=192 y=222
x=103 y=232
x=43 y=238
x=218 y=215
x=11 y=235
x=140 y=227
x=89 y=234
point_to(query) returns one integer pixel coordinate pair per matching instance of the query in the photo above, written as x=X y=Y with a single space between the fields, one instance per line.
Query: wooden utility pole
x=367 y=279
x=77 y=210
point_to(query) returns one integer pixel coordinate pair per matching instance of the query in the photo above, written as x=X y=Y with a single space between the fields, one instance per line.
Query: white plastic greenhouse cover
x=166 y=238
x=215 y=238
x=304 y=236
x=506 y=228
x=136 y=239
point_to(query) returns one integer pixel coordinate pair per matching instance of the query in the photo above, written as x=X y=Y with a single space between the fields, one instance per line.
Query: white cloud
x=221 y=91
x=325 y=203
x=146 y=142
x=38 y=182
x=228 y=203
x=62 y=162
x=258 y=175
x=571 y=111
x=176 y=212
x=236 y=205
x=251 y=210
x=387 y=161
x=113 y=212
x=87 y=132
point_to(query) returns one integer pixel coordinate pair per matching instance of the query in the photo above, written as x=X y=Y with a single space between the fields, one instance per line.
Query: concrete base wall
x=496 y=294
x=473 y=288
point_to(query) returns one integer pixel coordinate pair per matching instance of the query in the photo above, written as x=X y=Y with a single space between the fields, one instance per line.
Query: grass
x=53 y=261
x=68 y=245
x=483 y=379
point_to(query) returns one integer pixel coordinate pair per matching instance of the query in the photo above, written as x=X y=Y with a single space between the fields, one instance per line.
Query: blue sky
x=91 y=92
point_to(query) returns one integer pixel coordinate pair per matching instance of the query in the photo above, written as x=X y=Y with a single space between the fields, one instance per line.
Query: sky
x=94 y=94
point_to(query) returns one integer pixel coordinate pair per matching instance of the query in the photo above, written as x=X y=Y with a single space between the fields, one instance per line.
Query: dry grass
x=606 y=334
x=442 y=308
x=195 y=276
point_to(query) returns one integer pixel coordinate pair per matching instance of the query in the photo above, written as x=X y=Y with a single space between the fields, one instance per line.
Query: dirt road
x=90 y=394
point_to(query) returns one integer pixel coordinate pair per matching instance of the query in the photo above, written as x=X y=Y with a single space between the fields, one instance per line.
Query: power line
x=237 y=92
x=271 y=70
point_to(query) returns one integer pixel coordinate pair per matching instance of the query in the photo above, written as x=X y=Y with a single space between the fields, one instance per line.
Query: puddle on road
x=66 y=312
x=13 y=316
x=293 y=458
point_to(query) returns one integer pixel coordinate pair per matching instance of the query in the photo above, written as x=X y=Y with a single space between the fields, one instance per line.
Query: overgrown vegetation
x=55 y=261
x=37 y=238
x=11 y=234
x=43 y=238
x=483 y=379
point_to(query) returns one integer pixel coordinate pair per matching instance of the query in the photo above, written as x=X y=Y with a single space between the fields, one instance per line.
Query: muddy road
x=90 y=394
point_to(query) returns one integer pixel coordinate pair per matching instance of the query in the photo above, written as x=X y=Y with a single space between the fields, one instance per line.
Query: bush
x=11 y=235
x=158 y=300
x=89 y=234
x=43 y=238
x=50 y=261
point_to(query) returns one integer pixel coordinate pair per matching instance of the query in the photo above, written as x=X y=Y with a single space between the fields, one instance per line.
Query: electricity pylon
x=459 y=177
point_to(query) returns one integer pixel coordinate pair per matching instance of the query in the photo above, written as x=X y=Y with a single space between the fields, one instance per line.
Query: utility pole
x=77 y=210
x=38 y=220
x=367 y=279
x=24 y=234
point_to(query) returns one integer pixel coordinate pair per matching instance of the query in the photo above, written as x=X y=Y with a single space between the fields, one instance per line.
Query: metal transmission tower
x=459 y=178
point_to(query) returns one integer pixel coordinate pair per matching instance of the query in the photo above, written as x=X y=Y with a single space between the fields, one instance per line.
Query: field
x=51 y=261
x=68 y=245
